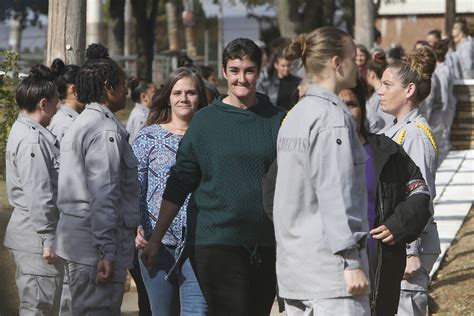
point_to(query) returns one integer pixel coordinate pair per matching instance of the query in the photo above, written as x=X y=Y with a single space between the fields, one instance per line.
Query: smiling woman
x=222 y=158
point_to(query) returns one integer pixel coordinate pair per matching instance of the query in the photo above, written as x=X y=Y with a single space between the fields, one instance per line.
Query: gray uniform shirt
x=61 y=121
x=98 y=190
x=137 y=120
x=32 y=162
x=320 y=204
x=465 y=53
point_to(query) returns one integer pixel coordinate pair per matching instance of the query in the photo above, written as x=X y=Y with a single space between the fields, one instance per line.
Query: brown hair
x=160 y=111
x=441 y=49
x=378 y=64
x=417 y=68
x=463 y=23
x=317 y=47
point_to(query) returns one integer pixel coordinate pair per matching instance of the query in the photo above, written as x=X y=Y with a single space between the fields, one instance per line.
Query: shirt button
x=33 y=127
x=106 y=115
x=408 y=246
x=32 y=155
x=338 y=141
x=111 y=139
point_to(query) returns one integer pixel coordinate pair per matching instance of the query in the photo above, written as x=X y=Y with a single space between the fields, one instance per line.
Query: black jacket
x=402 y=205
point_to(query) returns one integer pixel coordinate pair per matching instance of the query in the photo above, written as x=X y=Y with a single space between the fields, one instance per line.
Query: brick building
x=406 y=21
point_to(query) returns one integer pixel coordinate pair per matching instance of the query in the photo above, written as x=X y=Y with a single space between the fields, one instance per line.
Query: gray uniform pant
x=353 y=305
x=39 y=284
x=66 y=308
x=414 y=292
x=89 y=298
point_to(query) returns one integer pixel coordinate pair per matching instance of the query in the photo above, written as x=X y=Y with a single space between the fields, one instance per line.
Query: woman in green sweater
x=227 y=149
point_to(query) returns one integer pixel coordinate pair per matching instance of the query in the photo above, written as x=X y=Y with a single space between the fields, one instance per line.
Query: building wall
x=406 y=30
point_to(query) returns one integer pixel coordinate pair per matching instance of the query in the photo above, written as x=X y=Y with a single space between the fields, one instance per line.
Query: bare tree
x=364 y=23
x=116 y=34
x=66 y=31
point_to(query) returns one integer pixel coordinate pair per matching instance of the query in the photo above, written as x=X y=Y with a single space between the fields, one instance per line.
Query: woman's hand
x=150 y=254
x=49 y=255
x=413 y=265
x=140 y=241
x=356 y=281
x=384 y=234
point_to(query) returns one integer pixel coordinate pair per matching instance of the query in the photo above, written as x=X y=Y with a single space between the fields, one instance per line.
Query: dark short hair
x=436 y=33
x=137 y=87
x=463 y=23
x=38 y=85
x=241 y=47
x=97 y=74
x=65 y=75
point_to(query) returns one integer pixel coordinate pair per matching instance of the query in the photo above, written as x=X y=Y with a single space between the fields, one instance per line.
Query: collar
x=393 y=130
x=320 y=92
x=28 y=121
x=108 y=114
x=68 y=111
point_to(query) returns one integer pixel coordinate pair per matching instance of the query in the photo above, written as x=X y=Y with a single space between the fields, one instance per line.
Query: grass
x=452 y=288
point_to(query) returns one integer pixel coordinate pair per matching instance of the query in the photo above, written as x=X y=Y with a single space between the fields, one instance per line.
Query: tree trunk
x=66 y=31
x=172 y=24
x=364 y=23
x=116 y=27
x=286 y=18
x=145 y=31
x=450 y=16
x=95 y=25
x=16 y=28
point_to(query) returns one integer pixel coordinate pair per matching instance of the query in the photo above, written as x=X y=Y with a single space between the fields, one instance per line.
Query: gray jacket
x=61 y=121
x=414 y=134
x=137 y=120
x=465 y=53
x=98 y=190
x=32 y=162
x=320 y=205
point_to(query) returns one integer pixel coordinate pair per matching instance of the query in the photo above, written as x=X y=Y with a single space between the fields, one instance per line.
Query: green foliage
x=8 y=108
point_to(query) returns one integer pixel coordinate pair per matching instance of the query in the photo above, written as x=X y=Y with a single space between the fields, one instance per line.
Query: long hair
x=160 y=111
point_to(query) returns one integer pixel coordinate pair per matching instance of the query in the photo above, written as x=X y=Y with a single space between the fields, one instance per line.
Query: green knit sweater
x=222 y=159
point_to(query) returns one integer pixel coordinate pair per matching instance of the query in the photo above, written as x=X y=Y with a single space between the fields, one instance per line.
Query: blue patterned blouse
x=155 y=148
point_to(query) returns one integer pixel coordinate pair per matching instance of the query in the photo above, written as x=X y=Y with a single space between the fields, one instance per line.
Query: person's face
x=241 y=76
x=457 y=33
x=213 y=79
x=48 y=109
x=184 y=99
x=282 y=67
x=432 y=40
x=393 y=96
x=147 y=96
x=360 y=59
x=116 y=96
x=347 y=69
x=350 y=99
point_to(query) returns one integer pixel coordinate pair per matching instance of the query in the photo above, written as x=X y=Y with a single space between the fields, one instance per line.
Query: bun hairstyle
x=160 y=111
x=38 y=85
x=377 y=64
x=317 y=47
x=137 y=87
x=417 y=68
x=97 y=74
x=65 y=75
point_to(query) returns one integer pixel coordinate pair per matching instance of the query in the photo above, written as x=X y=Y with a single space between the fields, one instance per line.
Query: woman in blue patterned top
x=171 y=283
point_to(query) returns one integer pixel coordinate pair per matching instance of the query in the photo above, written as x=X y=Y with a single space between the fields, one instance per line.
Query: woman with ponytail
x=98 y=191
x=32 y=159
x=405 y=84
x=142 y=93
x=320 y=205
x=70 y=107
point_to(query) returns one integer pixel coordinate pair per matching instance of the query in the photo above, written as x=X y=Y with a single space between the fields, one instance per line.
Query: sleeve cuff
x=107 y=254
x=47 y=240
x=351 y=258
x=413 y=249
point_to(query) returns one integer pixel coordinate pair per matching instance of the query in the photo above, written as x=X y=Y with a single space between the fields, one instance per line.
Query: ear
x=410 y=90
x=42 y=104
x=143 y=95
x=223 y=72
x=335 y=62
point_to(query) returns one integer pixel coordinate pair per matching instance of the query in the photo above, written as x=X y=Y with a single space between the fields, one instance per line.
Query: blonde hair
x=317 y=47
x=417 y=68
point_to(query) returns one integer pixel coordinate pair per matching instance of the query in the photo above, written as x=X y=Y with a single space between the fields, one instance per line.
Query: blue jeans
x=182 y=297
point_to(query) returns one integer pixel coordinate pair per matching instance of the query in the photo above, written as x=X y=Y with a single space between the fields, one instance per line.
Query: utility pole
x=450 y=16
x=364 y=23
x=66 y=31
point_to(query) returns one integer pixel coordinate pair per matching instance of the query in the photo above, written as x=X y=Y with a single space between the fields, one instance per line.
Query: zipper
x=379 y=253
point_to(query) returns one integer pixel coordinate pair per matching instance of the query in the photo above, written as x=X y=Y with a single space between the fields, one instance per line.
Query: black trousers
x=143 y=302
x=234 y=280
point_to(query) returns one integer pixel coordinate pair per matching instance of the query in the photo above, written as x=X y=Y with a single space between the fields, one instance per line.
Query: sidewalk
x=454 y=197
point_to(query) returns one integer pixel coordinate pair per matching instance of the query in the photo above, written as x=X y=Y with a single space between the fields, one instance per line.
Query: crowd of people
x=311 y=180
